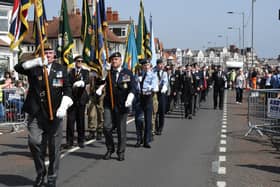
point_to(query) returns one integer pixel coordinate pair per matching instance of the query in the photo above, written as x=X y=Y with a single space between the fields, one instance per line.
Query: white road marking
x=222 y=158
x=78 y=148
x=221 y=184
x=223 y=149
x=224 y=122
x=223 y=142
x=223 y=136
x=224 y=126
x=224 y=131
x=222 y=170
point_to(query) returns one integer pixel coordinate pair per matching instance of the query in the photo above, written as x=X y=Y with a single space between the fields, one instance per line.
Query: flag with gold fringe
x=19 y=25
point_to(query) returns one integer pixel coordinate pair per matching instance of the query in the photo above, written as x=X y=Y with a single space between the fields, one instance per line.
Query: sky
x=196 y=24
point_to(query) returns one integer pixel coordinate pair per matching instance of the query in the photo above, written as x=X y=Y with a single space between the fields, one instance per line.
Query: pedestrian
x=188 y=91
x=79 y=79
x=240 y=84
x=115 y=116
x=95 y=108
x=43 y=132
x=220 y=81
x=161 y=95
x=148 y=84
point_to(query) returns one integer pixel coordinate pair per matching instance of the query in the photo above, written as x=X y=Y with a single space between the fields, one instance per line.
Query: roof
x=3 y=43
x=120 y=22
x=7 y=2
x=75 y=22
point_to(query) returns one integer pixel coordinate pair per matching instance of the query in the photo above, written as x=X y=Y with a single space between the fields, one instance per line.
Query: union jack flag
x=19 y=25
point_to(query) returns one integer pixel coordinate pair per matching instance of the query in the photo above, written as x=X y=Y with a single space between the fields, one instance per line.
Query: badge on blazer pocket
x=59 y=74
x=126 y=78
x=125 y=86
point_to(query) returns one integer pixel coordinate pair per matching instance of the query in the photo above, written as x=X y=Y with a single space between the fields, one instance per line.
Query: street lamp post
x=243 y=31
x=252 y=39
x=239 y=35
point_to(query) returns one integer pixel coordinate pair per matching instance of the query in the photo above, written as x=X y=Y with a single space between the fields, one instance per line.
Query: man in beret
x=43 y=131
x=162 y=97
x=78 y=78
x=115 y=116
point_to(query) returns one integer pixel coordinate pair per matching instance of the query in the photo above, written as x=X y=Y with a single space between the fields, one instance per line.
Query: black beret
x=78 y=57
x=144 y=61
x=116 y=54
x=159 y=61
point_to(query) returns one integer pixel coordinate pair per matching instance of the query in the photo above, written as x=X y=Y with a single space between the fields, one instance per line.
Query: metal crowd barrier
x=264 y=112
x=11 y=115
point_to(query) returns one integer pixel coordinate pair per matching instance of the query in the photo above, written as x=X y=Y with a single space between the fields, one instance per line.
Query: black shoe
x=99 y=136
x=39 y=181
x=146 y=145
x=108 y=154
x=138 y=143
x=81 y=145
x=221 y=108
x=190 y=117
x=51 y=183
x=120 y=157
x=215 y=108
x=91 y=136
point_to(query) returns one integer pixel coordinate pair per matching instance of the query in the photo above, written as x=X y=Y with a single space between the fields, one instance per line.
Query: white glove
x=164 y=89
x=79 y=83
x=99 y=90
x=129 y=100
x=107 y=66
x=34 y=62
x=66 y=102
x=140 y=78
x=225 y=84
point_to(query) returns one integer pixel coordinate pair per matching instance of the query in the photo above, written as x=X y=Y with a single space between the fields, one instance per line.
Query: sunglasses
x=79 y=60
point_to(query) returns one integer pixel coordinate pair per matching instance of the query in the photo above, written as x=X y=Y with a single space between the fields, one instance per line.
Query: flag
x=98 y=53
x=152 y=44
x=39 y=24
x=143 y=38
x=86 y=31
x=65 y=40
x=131 y=55
x=19 y=26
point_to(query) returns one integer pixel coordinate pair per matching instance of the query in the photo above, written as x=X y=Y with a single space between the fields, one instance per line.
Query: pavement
x=209 y=150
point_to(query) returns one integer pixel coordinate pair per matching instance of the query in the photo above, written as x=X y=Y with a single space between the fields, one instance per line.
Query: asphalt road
x=182 y=156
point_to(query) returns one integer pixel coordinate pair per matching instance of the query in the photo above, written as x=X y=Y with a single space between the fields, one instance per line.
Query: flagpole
x=107 y=59
x=46 y=77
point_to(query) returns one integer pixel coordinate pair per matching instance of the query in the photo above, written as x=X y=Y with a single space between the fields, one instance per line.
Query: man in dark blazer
x=78 y=78
x=219 y=78
x=124 y=89
x=43 y=131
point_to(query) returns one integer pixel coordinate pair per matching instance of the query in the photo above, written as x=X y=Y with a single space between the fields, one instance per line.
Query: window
x=3 y=21
x=117 y=31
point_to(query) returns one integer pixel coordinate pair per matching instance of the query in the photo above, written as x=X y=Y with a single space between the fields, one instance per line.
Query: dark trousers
x=218 y=92
x=139 y=119
x=44 y=134
x=76 y=114
x=114 y=119
x=188 y=103
x=147 y=106
x=195 y=100
x=161 y=112
x=203 y=95
x=239 y=94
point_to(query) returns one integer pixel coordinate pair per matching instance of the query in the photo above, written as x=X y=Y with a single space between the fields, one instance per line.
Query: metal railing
x=11 y=113
x=264 y=112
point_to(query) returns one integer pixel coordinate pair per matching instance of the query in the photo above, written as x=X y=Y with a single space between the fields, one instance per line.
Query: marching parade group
x=149 y=94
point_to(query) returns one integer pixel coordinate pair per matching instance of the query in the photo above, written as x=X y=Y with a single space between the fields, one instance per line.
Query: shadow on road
x=16 y=146
x=88 y=155
x=15 y=180
x=17 y=153
x=272 y=169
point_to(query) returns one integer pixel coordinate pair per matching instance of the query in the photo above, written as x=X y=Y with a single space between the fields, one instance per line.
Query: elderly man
x=78 y=78
x=123 y=89
x=44 y=131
